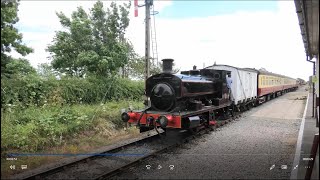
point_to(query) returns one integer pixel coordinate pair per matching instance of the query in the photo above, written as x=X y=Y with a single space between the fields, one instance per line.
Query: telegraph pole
x=148 y=4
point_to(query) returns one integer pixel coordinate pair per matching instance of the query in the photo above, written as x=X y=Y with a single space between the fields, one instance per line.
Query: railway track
x=108 y=162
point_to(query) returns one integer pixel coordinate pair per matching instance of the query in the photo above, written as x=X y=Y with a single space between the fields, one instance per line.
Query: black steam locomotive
x=182 y=101
x=187 y=91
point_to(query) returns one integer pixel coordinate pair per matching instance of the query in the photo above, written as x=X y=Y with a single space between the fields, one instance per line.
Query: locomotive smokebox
x=167 y=65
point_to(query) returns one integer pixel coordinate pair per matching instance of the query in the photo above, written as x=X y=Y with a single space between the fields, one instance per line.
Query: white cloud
x=246 y=39
x=38 y=22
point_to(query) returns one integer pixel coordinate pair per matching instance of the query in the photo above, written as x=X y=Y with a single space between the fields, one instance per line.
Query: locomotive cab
x=219 y=77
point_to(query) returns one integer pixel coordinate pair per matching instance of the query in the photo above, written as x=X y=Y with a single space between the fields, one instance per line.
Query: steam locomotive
x=182 y=101
x=201 y=97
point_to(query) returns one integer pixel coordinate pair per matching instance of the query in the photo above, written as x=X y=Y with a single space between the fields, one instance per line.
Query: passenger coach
x=271 y=85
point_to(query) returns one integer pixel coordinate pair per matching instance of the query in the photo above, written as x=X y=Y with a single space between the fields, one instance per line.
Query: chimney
x=167 y=65
x=194 y=67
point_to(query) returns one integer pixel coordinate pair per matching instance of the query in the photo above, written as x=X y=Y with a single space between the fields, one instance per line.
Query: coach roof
x=252 y=70
x=274 y=74
x=245 y=69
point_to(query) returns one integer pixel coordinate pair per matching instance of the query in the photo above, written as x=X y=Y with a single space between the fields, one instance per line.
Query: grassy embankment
x=71 y=129
x=57 y=123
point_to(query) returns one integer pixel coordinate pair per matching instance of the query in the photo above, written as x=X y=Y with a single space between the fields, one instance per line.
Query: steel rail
x=57 y=167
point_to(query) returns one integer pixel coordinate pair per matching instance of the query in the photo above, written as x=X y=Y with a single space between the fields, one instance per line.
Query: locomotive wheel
x=243 y=108
x=233 y=112
x=165 y=131
x=249 y=106
x=193 y=130
x=212 y=128
x=143 y=129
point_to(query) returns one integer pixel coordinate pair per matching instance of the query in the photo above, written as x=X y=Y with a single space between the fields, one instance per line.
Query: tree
x=19 y=67
x=10 y=36
x=45 y=70
x=93 y=43
x=136 y=68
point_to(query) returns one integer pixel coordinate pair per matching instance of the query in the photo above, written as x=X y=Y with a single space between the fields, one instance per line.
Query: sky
x=251 y=34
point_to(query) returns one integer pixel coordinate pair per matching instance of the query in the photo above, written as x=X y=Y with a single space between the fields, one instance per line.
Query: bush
x=33 y=90
x=39 y=112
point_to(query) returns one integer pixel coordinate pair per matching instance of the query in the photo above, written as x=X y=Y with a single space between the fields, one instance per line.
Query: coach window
x=266 y=81
x=272 y=80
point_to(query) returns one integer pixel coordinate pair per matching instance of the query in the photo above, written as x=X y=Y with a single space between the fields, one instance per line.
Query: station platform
x=305 y=147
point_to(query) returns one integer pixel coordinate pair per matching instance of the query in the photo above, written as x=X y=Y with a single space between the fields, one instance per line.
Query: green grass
x=60 y=129
x=83 y=142
x=34 y=129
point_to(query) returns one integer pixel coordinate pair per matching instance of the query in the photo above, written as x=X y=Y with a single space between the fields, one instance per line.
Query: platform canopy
x=308 y=15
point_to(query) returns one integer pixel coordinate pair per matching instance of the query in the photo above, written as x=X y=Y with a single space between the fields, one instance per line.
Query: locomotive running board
x=203 y=110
